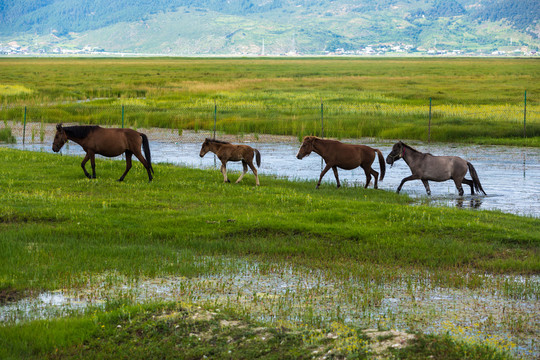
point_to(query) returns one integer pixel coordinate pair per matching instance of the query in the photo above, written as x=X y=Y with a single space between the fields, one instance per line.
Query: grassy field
x=63 y=231
x=473 y=99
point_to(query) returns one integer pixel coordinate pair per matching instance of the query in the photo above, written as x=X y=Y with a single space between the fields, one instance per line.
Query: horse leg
x=128 y=164
x=244 y=164
x=375 y=175
x=426 y=185
x=408 y=178
x=252 y=167
x=325 y=170
x=470 y=183
x=459 y=187
x=93 y=164
x=336 y=175
x=368 y=177
x=224 y=172
x=85 y=160
x=143 y=161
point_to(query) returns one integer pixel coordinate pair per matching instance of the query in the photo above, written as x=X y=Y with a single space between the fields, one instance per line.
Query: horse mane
x=410 y=148
x=413 y=149
x=80 y=131
x=217 y=141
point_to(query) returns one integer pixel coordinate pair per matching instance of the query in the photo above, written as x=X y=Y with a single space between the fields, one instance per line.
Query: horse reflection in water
x=427 y=167
x=473 y=203
x=344 y=156
x=226 y=152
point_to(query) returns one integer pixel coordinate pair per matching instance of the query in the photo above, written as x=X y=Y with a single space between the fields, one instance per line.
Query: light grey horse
x=426 y=167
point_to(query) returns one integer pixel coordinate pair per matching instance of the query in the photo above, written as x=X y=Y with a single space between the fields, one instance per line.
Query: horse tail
x=476 y=181
x=258 y=157
x=381 y=164
x=146 y=149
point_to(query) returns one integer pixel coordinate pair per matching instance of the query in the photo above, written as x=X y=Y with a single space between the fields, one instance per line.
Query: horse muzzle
x=300 y=155
x=391 y=159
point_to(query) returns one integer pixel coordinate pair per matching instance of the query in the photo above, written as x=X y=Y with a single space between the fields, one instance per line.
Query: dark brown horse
x=427 y=167
x=107 y=142
x=228 y=152
x=344 y=156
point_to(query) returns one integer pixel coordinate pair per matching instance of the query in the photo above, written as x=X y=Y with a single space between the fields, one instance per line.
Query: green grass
x=56 y=214
x=472 y=99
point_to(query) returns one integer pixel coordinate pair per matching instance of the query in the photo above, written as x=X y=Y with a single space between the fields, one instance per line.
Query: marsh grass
x=161 y=329
x=389 y=98
x=6 y=136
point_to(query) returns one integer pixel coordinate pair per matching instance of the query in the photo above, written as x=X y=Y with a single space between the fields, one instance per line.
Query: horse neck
x=77 y=140
x=410 y=155
x=319 y=145
x=214 y=147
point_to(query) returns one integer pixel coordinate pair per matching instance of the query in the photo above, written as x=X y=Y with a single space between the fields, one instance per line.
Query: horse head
x=204 y=148
x=59 y=139
x=395 y=154
x=306 y=148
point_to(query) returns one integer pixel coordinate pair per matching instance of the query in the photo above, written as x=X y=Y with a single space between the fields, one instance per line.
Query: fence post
x=122 y=116
x=322 y=130
x=429 y=123
x=215 y=118
x=24 y=126
x=322 y=119
x=525 y=115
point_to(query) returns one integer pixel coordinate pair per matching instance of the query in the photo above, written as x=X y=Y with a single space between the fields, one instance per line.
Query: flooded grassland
x=500 y=310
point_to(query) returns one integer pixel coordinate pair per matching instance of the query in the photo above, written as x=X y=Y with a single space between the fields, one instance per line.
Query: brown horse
x=107 y=142
x=426 y=167
x=344 y=156
x=228 y=152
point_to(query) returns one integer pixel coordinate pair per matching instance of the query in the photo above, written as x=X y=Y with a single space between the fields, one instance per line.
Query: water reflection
x=472 y=203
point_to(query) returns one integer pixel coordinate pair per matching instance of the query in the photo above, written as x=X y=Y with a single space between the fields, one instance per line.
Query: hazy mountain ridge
x=190 y=27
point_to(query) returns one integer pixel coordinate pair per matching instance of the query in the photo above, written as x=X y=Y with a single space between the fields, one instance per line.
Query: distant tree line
x=522 y=14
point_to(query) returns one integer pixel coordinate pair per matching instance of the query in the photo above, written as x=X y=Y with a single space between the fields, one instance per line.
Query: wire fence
x=427 y=120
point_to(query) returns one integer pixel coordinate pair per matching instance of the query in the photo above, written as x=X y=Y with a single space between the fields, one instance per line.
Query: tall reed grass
x=471 y=98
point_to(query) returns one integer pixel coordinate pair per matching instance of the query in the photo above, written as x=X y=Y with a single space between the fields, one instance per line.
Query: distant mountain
x=207 y=27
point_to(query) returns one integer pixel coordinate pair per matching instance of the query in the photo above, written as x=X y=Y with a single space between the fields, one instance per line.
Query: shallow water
x=509 y=175
x=282 y=293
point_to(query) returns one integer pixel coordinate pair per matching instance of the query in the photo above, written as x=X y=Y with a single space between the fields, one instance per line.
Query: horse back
x=441 y=168
x=114 y=141
x=348 y=156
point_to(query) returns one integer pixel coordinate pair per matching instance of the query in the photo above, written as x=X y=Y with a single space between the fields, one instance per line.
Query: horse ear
x=59 y=127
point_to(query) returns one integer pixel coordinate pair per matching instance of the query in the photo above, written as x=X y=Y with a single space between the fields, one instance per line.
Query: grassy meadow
x=277 y=271
x=473 y=99
x=63 y=231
